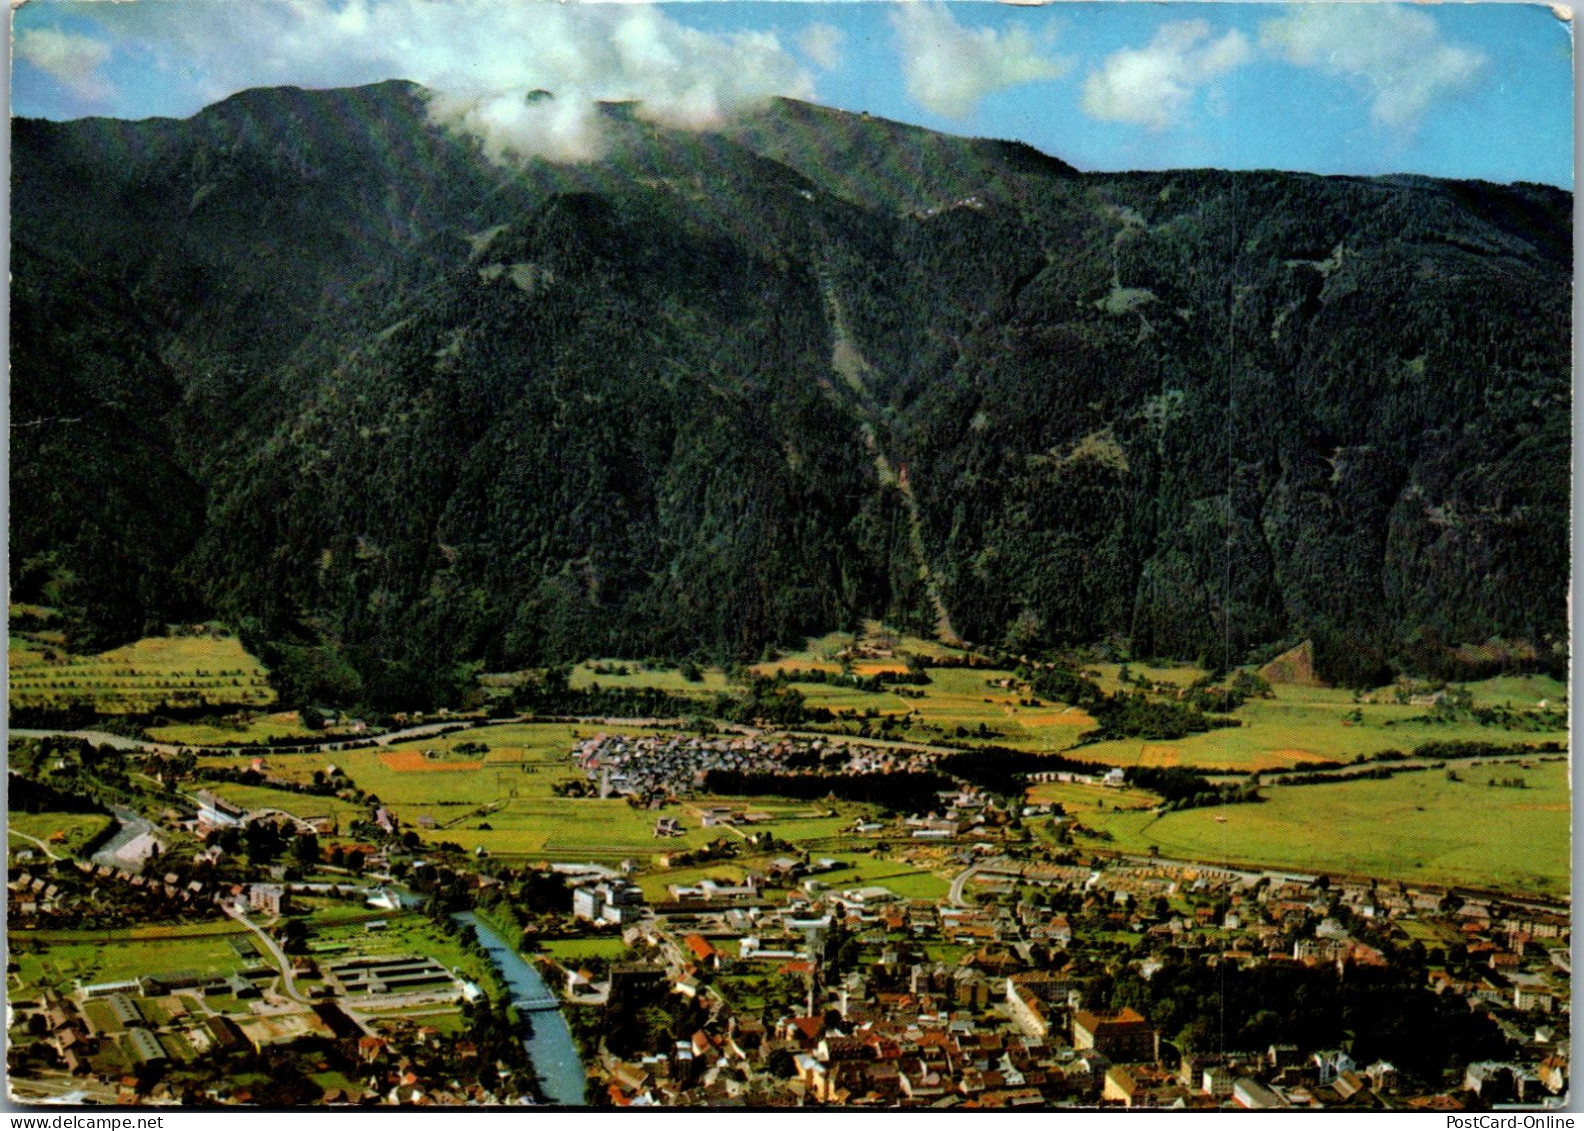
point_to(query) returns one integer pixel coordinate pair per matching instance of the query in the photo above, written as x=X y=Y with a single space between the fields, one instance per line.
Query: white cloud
x=823 y=43
x=71 y=59
x=1155 y=85
x=1396 y=54
x=950 y=68
x=484 y=59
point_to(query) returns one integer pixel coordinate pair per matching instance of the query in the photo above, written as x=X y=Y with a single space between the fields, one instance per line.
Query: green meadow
x=572 y=951
x=252 y=728
x=711 y=680
x=65 y=833
x=1308 y=724
x=1414 y=826
x=298 y=804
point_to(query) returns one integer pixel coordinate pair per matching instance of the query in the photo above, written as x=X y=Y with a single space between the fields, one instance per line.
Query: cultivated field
x=298 y=804
x=1416 y=826
x=1298 y=724
x=179 y=671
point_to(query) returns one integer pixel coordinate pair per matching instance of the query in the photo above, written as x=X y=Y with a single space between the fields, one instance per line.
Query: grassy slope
x=192 y=670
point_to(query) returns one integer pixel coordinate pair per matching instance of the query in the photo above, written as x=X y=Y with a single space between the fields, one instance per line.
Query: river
x=547 y=1039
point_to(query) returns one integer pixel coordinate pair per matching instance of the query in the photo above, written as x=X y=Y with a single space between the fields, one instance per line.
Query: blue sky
x=1479 y=90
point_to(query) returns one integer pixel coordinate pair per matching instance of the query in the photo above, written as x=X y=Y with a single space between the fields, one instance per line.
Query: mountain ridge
x=422 y=412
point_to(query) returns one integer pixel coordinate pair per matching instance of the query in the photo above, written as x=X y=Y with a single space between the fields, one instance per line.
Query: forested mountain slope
x=309 y=364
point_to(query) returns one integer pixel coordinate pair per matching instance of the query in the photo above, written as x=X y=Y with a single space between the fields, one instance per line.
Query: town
x=970 y=951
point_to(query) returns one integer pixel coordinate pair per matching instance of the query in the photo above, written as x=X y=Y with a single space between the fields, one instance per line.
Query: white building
x=611 y=901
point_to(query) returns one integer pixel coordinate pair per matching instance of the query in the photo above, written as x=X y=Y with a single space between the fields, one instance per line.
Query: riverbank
x=545 y=1033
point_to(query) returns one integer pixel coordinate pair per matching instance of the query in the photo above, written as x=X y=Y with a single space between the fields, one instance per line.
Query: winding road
x=272 y=948
x=958 y=883
x=35 y=840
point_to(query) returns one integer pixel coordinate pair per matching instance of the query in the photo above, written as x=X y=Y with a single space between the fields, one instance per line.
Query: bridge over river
x=536 y=1004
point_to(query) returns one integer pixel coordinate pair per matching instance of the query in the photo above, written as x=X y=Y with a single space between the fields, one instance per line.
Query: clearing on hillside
x=1295 y=666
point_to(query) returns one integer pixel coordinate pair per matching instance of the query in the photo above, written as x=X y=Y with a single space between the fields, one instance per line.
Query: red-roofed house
x=703 y=951
x=805 y=1031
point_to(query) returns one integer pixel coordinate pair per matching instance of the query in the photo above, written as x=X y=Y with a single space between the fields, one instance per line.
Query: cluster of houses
x=68 y=895
x=656 y=767
x=1000 y=1029
x=54 y=897
x=937 y=1041
x=106 y=1040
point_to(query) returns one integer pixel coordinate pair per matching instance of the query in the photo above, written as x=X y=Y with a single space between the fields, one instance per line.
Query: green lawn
x=1522 y=691
x=116 y=956
x=329 y=1080
x=298 y=804
x=914 y=884
x=814 y=828
x=451 y=1023
x=712 y=681
x=906 y=880
x=77 y=829
x=325 y=913
x=654 y=883
x=570 y=828
x=1178 y=675
x=1079 y=798
x=568 y=951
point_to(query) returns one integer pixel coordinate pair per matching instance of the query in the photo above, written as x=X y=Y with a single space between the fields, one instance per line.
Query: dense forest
x=309 y=364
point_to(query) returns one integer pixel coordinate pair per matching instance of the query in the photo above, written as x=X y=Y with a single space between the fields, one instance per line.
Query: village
x=652 y=767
